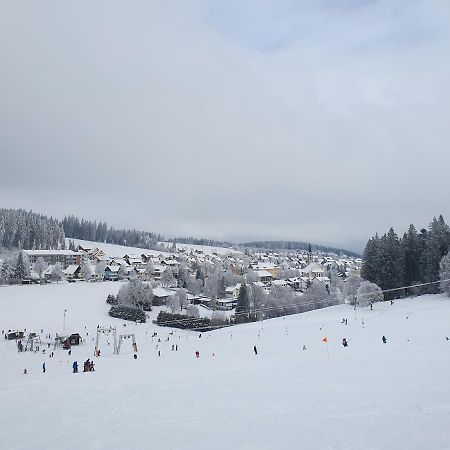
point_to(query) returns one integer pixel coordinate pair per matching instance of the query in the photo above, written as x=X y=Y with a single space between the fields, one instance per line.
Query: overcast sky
x=324 y=121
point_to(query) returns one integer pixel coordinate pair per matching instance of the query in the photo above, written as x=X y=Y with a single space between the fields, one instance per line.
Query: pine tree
x=221 y=290
x=412 y=253
x=436 y=246
x=444 y=274
x=372 y=267
x=243 y=304
x=5 y=272
x=21 y=270
x=392 y=263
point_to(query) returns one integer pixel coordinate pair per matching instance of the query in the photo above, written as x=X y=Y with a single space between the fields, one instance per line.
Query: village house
x=51 y=257
x=73 y=272
x=264 y=276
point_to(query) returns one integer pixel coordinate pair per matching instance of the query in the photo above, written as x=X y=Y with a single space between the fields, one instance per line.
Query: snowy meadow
x=369 y=395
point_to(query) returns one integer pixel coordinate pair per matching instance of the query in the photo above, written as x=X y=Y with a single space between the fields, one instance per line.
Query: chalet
x=111 y=272
x=266 y=266
x=226 y=303
x=73 y=272
x=74 y=339
x=264 y=276
x=160 y=295
x=323 y=280
x=280 y=283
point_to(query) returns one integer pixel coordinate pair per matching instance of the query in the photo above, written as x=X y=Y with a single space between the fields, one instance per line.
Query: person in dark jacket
x=255 y=349
x=43 y=368
x=344 y=342
x=75 y=367
x=384 y=339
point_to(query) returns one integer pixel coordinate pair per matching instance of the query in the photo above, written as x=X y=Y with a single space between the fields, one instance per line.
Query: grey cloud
x=159 y=115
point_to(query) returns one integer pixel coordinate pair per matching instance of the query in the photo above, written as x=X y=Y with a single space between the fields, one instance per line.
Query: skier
x=135 y=356
x=197 y=354
x=75 y=367
x=25 y=371
x=371 y=306
x=344 y=342
x=255 y=349
x=43 y=368
x=384 y=339
x=176 y=347
x=304 y=347
x=346 y=322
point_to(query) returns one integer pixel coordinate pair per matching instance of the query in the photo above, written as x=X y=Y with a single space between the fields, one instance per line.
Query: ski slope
x=366 y=396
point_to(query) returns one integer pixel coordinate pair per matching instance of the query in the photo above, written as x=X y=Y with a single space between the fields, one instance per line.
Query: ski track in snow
x=367 y=396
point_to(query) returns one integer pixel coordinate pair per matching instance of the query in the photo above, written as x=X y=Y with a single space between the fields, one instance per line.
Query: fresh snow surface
x=117 y=251
x=367 y=396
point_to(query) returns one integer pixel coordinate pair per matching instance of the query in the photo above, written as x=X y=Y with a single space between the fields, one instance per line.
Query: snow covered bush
x=127 y=313
x=136 y=294
x=57 y=273
x=218 y=318
x=193 y=311
x=351 y=287
x=317 y=296
x=368 y=293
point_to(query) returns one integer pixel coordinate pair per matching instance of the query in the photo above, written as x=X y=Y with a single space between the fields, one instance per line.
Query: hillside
x=114 y=250
x=369 y=395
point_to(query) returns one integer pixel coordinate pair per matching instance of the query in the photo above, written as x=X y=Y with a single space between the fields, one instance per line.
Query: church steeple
x=309 y=255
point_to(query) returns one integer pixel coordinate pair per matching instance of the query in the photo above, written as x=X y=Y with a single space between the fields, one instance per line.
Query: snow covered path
x=375 y=396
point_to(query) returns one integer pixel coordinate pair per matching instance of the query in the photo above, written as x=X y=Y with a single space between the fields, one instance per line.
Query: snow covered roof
x=70 y=270
x=112 y=268
x=313 y=267
x=225 y=300
x=51 y=252
x=323 y=279
x=161 y=292
x=263 y=273
x=265 y=265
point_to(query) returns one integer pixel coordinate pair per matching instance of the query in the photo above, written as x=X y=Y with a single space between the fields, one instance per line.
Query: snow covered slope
x=114 y=250
x=367 y=396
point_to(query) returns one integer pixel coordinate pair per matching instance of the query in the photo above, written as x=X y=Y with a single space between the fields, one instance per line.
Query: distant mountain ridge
x=297 y=245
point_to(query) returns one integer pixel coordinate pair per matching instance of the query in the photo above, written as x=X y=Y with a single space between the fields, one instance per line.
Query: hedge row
x=166 y=319
x=127 y=313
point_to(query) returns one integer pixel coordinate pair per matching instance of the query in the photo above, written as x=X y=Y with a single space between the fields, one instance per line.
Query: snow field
x=369 y=395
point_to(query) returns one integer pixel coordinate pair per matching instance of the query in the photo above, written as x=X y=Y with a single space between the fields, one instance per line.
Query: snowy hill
x=114 y=250
x=367 y=396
